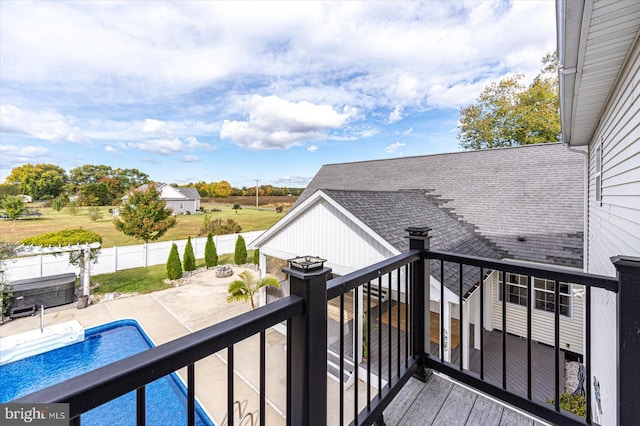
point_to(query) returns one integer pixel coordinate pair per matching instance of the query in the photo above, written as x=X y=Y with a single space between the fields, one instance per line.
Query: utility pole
x=257 y=181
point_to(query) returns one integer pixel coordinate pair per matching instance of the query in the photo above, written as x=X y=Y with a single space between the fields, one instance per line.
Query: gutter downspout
x=585 y=190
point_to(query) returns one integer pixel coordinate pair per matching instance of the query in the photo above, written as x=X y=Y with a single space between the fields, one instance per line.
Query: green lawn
x=188 y=225
x=145 y=280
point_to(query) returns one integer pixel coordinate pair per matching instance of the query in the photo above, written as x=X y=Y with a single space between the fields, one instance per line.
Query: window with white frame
x=516 y=289
x=544 y=296
x=598 y=172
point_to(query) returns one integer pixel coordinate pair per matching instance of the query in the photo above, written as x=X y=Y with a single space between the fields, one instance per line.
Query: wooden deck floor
x=440 y=401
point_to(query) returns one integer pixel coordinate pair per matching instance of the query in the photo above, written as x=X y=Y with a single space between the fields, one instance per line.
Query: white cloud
x=190 y=159
x=312 y=148
x=275 y=123
x=408 y=131
x=393 y=148
x=396 y=115
x=111 y=150
x=14 y=155
x=159 y=146
x=43 y=125
x=155 y=127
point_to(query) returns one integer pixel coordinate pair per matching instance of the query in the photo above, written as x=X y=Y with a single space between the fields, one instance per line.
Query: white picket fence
x=114 y=259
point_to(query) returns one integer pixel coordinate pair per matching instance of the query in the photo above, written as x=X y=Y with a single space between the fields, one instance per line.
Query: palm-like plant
x=243 y=289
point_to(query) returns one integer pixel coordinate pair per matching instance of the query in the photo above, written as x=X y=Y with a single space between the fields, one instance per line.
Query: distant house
x=180 y=200
x=599 y=52
x=521 y=204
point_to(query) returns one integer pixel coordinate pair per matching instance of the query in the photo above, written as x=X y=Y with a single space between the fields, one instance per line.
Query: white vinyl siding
x=351 y=248
x=542 y=326
x=614 y=224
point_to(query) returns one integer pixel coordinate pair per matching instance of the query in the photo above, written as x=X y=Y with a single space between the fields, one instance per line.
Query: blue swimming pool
x=166 y=397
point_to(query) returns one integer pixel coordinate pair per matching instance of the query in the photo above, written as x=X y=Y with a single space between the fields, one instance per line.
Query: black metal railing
x=550 y=409
x=394 y=352
x=97 y=387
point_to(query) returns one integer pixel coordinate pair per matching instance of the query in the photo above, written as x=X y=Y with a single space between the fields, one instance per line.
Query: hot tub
x=26 y=296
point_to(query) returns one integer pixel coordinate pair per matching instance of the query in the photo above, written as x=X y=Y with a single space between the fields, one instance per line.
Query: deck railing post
x=420 y=297
x=628 y=328
x=307 y=347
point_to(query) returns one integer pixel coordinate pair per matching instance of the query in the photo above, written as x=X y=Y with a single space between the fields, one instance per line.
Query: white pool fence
x=114 y=259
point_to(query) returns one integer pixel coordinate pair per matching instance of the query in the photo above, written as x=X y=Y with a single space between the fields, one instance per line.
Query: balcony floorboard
x=441 y=401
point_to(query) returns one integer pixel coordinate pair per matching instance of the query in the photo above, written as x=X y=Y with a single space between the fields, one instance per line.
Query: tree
x=243 y=289
x=509 y=114
x=41 y=181
x=240 y=253
x=13 y=206
x=72 y=206
x=58 y=203
x=256 y=256
x=130 y=178
x=144 y=215
x=222 y=189
x=210 y=252
x=174 y=269
x=189 y=259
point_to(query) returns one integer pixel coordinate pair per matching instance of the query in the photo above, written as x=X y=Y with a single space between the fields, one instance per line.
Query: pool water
x=105 y=344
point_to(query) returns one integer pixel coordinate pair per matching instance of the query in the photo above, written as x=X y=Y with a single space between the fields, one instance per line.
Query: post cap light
x=306 y=263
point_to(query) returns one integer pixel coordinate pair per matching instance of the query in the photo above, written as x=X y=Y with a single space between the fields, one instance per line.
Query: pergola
x=85 y=248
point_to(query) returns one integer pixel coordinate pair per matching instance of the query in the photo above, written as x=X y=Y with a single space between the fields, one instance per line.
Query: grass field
x=188 y=225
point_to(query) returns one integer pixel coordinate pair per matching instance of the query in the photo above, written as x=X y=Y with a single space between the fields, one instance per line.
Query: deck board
x=441 y=401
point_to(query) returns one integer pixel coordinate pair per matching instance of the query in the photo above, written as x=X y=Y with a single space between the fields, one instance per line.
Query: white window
x=544 y=296
x=598 y=172
x=516 y=289
x=543 y=293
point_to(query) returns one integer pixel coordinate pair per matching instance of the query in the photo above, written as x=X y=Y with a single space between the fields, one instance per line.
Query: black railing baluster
x=504 y=330
x=442 y=318
x=140 y=406
x=556 y=304
x=191 y=395
x=398 y=322
x=230 y=386
x=530 y=295
x=263 y=381
x=289 y=375
x=379 y=338
x=406 y=316
x=342 y=355
x=357 y=323
x=461 y=322
x=481 y=323
x=587 y=358
x=368 y=342
x=390 y=338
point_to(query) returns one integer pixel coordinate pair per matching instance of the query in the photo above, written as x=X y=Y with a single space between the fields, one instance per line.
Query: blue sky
x=206 y=91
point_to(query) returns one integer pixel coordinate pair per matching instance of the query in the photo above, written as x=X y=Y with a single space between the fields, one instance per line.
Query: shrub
x=574 y=403
x=256 y=256
x=237 y=207
x=63 y=238
x=220 y=227
x=240 y=254
x=72 y=206
x=189 y=259
x=210 y=252
x=279 y=209
x=174 y=270
x=95 y=213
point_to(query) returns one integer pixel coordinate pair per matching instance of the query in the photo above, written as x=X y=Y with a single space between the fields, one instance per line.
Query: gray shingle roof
x=389 y=213
x=189 y=192
x=535 y=190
